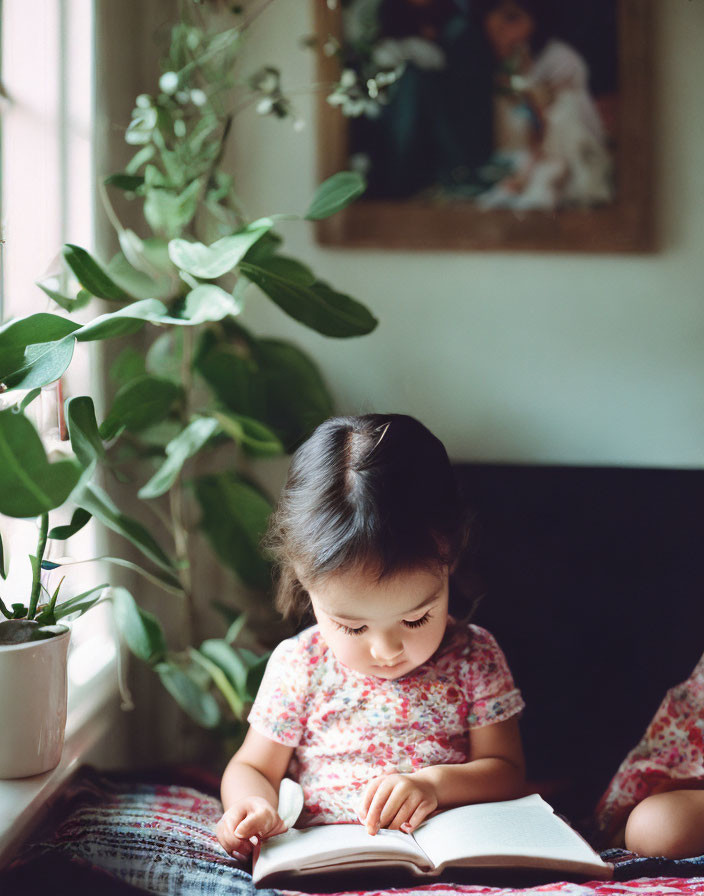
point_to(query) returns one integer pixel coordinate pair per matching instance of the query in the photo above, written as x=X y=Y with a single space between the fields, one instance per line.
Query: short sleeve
x=279 y=709
x=493 y=697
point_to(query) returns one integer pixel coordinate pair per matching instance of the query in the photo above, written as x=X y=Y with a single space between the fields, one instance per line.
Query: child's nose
x=386 y=648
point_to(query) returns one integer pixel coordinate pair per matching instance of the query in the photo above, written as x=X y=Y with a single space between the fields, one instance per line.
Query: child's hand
x=399 y=802
x=245 y=823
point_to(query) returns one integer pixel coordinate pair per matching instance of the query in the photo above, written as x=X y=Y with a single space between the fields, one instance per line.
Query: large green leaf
x=167 y=212
x=143 y=267
x=42 y=364
x=315 y=305
x=234 y=518
x=210 y=262
x=127 y=320
x=68 y=303
x=93 y=499
x=128 y=365
x=200 y=705
x=164 y=356
x=91 y=276
x=83 y=430
x=127 y=182
x=209 y=302
x=34 y=328
x=140 y=404
x=185 y=445
x=232 y=377
x=221 y=680
x=267 y=380
x=35 y=350
x=78 y=521
x=139 y=283
x=335 y=193
x=228 y=659
x=257 y=439
x=296 y=397
x=29 y=484
x=141 y=630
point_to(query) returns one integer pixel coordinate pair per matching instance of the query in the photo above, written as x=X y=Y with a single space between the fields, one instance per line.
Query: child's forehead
x=359 y=594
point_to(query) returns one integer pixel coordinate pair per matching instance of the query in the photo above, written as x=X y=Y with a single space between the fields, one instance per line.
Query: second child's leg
x=668 y=824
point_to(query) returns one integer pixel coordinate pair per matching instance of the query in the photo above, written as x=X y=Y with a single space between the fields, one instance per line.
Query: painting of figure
x=504 y=104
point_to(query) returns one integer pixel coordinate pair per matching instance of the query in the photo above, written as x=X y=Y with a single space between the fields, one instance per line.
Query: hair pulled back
x=375 y=492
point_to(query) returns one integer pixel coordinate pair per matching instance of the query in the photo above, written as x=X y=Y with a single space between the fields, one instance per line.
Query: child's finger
x=226 y=835
x=253 y=823
x=404 y=813
x=399 y=804
x=419 y=814
x=367 y=798
x=374 y=816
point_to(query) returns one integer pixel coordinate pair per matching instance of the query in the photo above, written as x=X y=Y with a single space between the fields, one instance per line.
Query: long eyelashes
x=351 y=631
x=416 y=623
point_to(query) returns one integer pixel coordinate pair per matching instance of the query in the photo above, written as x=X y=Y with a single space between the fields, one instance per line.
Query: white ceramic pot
x=33 y=688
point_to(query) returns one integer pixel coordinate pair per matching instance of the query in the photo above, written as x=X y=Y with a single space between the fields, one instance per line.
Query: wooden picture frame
x=623 y=224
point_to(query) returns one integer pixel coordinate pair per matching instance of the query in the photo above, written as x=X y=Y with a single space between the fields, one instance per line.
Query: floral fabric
x=670 y=754
x=348 y=728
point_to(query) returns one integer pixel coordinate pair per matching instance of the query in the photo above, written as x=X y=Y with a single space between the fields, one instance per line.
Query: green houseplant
x=201 y=392
x=33 y=640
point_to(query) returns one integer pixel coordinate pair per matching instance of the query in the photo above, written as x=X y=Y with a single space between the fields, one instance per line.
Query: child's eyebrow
x=424 y=603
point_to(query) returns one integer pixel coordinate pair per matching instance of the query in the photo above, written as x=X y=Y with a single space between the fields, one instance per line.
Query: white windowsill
x=23 y=800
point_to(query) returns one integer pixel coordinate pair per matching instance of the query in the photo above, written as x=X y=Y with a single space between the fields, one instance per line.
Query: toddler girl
x=655 y=802
x=388 y=709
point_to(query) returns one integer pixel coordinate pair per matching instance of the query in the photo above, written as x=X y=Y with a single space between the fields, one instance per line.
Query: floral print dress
x=670 y=755
x=348 y=728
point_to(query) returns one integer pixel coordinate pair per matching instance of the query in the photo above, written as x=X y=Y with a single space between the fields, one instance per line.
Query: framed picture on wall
x=489 y=124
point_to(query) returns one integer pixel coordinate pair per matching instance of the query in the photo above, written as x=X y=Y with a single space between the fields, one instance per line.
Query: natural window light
x=47 y=189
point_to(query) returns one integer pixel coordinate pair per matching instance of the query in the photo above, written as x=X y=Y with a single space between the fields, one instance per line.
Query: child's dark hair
x=375 y=492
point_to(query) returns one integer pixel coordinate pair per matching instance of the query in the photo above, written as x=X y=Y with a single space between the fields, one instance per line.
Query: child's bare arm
x=249 y=791
x=495 y=771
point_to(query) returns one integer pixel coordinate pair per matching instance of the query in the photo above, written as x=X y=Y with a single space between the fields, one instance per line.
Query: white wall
x=577 y=359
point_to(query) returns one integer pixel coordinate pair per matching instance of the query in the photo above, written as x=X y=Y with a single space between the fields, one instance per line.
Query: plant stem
x=37 y=568
x=176 y=500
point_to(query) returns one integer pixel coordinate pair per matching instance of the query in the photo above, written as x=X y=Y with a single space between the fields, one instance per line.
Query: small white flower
x=143 y=101
x=182 y=97
x=198 y=97
x=180 y=127
x=168 y=83
x=269 y=83
x=348 y=78
x=360 y=161
x=265 y=106
x=372 y=88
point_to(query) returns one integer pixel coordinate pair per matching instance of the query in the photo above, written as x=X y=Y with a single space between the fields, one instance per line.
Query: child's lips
x=389 y=667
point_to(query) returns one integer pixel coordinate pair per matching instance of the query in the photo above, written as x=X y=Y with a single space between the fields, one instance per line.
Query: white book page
x=524 y=827
x=328 y=845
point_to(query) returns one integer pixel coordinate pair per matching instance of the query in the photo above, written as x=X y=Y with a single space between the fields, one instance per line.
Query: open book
x=523 y=833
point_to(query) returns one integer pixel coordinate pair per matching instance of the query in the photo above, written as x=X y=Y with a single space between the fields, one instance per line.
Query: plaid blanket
x=159 y=839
